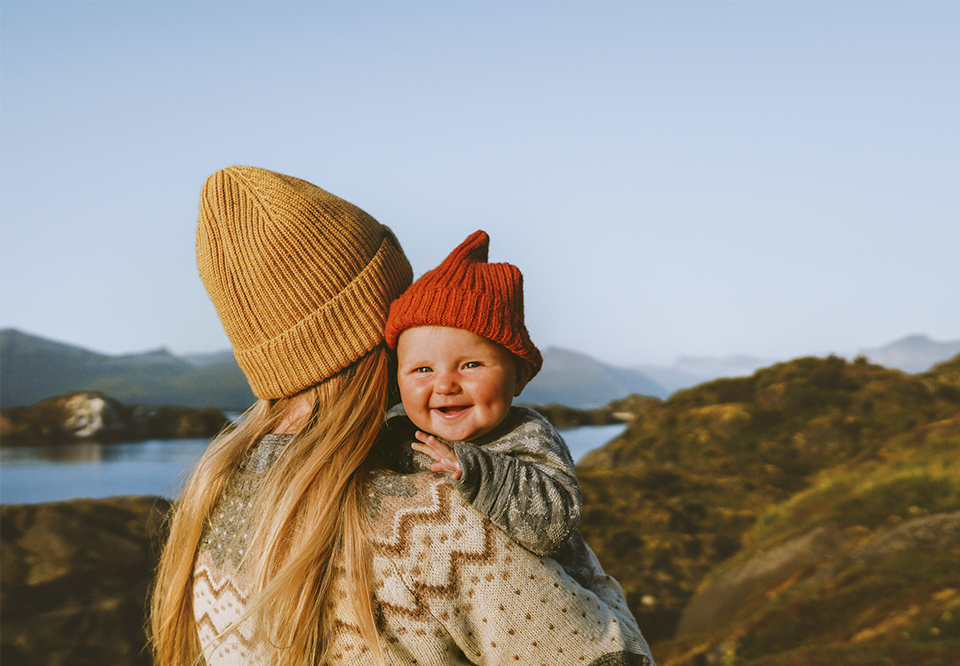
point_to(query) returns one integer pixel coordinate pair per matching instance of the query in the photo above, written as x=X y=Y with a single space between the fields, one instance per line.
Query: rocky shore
x=75 y=578
x=90 y=415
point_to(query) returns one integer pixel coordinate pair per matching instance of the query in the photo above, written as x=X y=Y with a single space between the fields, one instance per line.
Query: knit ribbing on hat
x=302 y=280
x=467 y=292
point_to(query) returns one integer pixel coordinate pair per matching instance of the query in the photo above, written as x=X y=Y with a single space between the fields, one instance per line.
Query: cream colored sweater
x=450 y=586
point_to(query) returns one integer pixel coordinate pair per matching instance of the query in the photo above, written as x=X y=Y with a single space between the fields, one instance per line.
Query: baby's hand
x=443 y=454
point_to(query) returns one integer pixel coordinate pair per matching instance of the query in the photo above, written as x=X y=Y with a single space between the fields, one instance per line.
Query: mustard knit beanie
x=302 y=280
x=467 y=292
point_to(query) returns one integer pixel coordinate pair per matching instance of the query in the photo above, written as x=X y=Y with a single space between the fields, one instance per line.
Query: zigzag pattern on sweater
x=451 y=588
x=427 y=526
x=217 y=604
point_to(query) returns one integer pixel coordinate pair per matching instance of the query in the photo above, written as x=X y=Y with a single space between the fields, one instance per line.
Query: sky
x=673 y=178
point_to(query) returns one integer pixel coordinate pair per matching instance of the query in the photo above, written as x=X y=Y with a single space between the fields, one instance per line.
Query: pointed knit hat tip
x=467 y=292
x=461 y=262
x=475 y=249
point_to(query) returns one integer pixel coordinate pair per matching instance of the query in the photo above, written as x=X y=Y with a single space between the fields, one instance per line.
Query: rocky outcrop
x=170 y=422
x=940 y=531
x=89 y=415
x=562 y=417
x=820 y=557
x=75 y=578
x=734 y=590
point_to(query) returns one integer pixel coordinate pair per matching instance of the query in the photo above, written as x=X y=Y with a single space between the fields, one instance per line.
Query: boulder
x=75 y=578
x=77 y=415
x=825 y=545
x=940 y=531
x=733 y=590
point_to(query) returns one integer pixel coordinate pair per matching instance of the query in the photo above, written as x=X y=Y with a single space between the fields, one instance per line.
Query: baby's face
x=455 y=384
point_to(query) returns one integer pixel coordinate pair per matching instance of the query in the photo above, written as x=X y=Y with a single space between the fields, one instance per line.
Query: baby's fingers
x=448 y=465
x=427 y=439
x=417 y=446
x=426 y=449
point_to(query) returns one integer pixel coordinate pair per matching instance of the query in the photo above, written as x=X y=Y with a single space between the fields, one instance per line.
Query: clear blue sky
x=776 y=179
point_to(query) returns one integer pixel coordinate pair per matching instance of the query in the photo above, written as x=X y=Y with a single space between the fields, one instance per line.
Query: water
x=587 y=438
x=156 y=467
x=50 y=473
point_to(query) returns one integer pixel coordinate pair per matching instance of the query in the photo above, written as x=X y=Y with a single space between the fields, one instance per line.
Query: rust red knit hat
x=467 y=292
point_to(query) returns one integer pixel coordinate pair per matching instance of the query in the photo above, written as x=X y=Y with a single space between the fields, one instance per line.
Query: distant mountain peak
x=158 y=353
x=913 y=353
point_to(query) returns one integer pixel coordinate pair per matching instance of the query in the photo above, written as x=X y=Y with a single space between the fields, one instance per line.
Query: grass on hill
x=722 y=471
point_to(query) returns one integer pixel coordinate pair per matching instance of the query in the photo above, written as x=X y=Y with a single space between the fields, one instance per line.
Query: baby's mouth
x=452 y=409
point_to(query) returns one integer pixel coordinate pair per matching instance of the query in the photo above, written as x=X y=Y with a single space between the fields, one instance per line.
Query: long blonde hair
x=307 y=516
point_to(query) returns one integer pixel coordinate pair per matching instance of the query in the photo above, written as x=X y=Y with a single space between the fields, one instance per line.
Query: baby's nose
x=446 y=384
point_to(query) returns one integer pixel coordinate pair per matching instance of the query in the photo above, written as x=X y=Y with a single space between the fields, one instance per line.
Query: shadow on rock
x=75 y=580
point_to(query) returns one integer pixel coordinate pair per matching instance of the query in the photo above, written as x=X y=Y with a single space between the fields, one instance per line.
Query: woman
x=293 y=543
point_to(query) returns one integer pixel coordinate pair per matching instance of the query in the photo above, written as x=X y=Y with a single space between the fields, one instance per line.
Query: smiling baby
x=463 y=354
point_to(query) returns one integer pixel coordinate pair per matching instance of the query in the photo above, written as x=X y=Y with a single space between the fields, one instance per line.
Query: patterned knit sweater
x=451 y=588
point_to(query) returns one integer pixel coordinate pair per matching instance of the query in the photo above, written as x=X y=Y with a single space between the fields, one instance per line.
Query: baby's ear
x=524 y=373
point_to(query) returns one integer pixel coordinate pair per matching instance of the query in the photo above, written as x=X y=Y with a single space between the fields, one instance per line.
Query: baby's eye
x=472 y=364
x=422 y=369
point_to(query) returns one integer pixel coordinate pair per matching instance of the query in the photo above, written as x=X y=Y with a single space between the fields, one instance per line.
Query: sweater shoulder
x=524 y=417
x=522 y=423
x=423 y=532
x=529 y=435
x=409 y=510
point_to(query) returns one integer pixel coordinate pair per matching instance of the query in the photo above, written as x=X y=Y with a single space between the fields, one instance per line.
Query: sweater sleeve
x=524 y=482
x=490 y=601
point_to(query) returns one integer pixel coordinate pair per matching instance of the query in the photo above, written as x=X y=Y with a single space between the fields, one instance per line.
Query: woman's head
x=302 y=280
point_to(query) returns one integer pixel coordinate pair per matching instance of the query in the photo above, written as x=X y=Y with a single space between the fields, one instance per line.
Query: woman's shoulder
x=408 y=511
x=423 y=531
x=435 y=556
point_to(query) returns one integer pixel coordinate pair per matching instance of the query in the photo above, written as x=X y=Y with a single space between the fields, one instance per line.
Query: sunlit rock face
x=90 y=414
x=733 y=590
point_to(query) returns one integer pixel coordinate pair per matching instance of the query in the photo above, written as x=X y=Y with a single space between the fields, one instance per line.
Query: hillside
x=706 y=479
x=34 y=368
x=577 y=380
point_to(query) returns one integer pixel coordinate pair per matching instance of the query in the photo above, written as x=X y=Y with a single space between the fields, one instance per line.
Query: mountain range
x=33 y=368
x=914 y=353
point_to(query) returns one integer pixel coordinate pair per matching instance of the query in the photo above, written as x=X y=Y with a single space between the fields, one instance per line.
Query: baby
x=463 y=354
